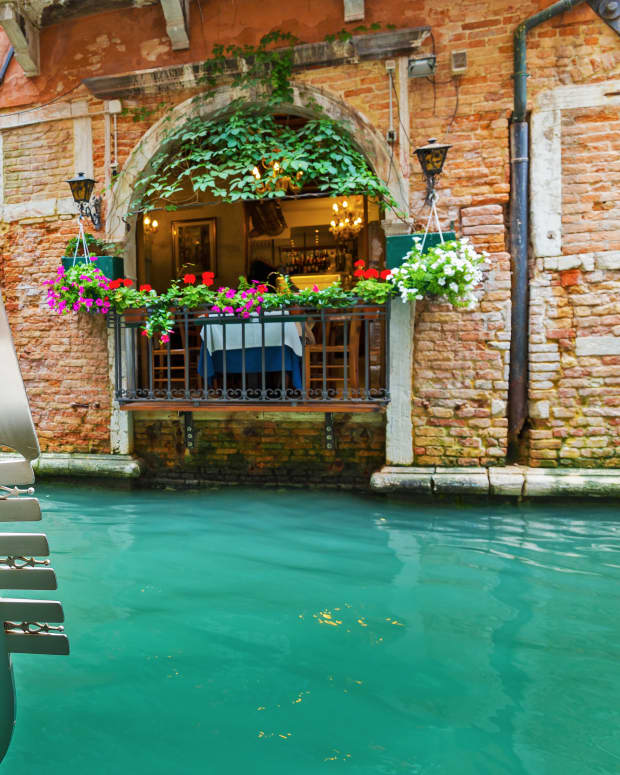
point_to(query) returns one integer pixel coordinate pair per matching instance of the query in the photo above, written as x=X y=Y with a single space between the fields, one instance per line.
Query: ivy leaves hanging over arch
x=218 y=156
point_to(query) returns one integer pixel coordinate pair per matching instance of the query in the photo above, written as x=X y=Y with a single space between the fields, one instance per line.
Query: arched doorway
x=305 y=99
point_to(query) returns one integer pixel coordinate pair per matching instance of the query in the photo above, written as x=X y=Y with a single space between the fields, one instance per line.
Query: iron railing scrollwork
x=287 y=356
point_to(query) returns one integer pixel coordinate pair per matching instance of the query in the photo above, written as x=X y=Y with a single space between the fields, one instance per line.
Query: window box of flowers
x=446 y=272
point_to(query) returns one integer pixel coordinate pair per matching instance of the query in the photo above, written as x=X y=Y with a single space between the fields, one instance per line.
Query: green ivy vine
x=218 y=155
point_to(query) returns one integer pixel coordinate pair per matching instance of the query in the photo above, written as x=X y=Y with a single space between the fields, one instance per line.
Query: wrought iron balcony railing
x=297 y=357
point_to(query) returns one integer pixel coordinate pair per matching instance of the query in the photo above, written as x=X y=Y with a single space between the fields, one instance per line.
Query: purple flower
x=99 y=302
x=215 y=308
x=88 y=303
x=230 y=293
x=76 y=306
x=228 y=309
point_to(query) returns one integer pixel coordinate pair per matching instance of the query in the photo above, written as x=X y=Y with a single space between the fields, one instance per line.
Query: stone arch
x=305 y=100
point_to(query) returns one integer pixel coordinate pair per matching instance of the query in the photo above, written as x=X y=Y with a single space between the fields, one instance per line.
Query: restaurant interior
x=313 y=240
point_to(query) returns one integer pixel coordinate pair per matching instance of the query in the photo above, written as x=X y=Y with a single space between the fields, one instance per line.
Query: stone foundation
x=263 y=448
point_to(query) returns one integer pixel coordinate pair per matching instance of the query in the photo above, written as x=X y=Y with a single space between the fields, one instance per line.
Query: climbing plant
x=250 y=155
x=244 y=152
x=263 y=64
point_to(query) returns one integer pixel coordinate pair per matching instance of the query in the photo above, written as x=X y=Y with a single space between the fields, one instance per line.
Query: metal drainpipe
x=519 y=230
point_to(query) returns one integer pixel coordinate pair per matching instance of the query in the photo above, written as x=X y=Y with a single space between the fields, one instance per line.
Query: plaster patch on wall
x=153 y=49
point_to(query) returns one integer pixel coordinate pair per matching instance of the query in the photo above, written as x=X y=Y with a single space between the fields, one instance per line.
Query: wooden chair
x=336 y=355
x=179 y=350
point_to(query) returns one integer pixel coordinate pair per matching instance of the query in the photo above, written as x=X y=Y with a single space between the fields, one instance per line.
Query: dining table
x=252 y=345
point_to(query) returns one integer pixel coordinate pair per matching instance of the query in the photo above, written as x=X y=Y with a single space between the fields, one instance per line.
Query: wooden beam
x=177 y=22
x=24 y=37
x=376 y=46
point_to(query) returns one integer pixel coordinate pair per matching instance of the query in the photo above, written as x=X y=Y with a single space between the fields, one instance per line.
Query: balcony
x=288 y=359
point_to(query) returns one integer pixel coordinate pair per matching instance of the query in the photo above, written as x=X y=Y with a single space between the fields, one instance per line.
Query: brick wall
x=575 y=306
x=266 y=448
x=590 y=180
x=38 y=159
x=63 y=359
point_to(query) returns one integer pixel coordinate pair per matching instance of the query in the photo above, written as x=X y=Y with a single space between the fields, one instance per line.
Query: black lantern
x=82 y=188
x=432 y=157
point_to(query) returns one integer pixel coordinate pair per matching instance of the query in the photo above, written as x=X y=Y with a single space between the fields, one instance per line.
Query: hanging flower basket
x=398 y=246
x=113 y=267
x=86 y=249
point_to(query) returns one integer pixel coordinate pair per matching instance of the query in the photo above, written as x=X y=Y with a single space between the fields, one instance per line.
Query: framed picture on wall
x=194 y=246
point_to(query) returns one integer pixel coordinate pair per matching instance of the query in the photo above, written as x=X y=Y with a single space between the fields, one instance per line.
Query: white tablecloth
x=253 y=336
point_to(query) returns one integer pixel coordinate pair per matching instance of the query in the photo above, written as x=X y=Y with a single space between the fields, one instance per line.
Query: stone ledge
x=506 y=480
x=515 y=481
x=84 y=464
x=403 y=478
x=595 y=482
x=460 y=481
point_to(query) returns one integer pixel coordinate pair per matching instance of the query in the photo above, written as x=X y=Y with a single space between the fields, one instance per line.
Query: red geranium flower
x=208 y=278
x=262 y=289
x=371 y=274
x=127 y=282
x=146 y=288
x=360 y=262
x=114 y=284
x=358 y=273
x=189 y=279
x=385 y=273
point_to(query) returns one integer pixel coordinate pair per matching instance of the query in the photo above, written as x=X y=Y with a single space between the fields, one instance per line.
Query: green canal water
x=244 y=632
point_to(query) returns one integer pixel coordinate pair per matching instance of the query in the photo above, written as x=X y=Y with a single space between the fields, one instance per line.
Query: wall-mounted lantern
x=82 y=188
x=151 y=225
x=432 y=157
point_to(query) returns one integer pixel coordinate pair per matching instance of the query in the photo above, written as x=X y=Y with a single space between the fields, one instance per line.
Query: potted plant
x=107 y=255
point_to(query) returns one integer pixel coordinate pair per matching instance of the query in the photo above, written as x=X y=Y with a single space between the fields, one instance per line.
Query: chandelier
x=274 y=178
x=346 y=223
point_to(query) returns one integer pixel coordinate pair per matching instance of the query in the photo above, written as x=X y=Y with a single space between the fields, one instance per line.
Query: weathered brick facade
x=461 y=359
x=270 y=448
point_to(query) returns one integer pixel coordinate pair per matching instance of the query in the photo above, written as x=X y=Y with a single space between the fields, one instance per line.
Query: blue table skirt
x=253 y=362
